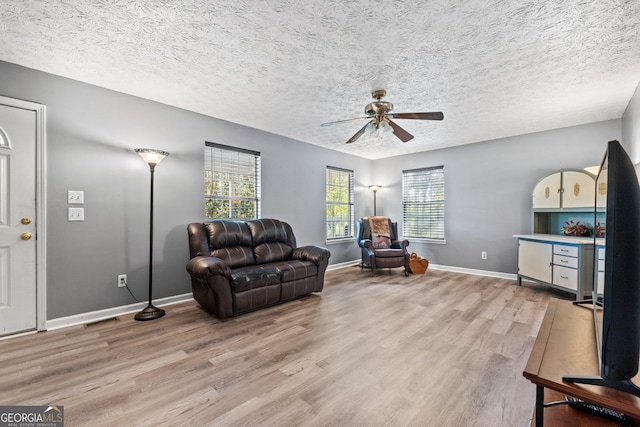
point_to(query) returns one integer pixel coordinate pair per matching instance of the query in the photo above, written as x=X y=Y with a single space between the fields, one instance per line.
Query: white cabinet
x=534 y=260
x=565 y=189
x=562 y=262
x=578 y=189
x=546 y=193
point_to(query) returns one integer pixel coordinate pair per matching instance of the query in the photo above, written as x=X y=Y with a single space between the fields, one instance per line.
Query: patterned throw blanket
x=380 y=233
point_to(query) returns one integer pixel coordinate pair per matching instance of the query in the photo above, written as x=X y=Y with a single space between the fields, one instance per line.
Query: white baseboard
x=108 y=313
x=463 y=270
x=343 y=265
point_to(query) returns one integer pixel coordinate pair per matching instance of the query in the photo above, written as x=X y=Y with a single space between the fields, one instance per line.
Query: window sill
x=425 y=240
x=341 y=240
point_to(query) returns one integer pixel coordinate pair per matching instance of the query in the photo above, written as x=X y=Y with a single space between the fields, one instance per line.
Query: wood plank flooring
x=440 y=349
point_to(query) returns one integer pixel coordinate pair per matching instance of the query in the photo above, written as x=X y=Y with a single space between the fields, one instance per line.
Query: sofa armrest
x=400 y=244
x=202 y=267
x=210 y=282
x=366 y=243
x=315 y=254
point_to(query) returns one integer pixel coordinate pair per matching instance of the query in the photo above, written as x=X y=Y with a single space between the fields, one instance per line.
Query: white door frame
x=41 y=206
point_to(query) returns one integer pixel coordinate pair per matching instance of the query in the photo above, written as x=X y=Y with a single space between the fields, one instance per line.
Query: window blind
x=423 y=203
x=231 y=182
x=339 y=203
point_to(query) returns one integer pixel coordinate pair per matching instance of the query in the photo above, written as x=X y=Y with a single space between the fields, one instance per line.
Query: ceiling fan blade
x=418 y=116
x=400 y=133
x=359 y=133
x=343 y=121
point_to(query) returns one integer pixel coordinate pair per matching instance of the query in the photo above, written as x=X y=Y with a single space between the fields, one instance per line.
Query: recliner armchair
x=395 y=255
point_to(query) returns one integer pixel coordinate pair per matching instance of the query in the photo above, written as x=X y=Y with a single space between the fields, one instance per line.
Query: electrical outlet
x=122 y=280
x=484 y=255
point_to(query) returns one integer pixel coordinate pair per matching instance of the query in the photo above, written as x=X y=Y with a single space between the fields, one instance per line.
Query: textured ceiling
x=496 y=68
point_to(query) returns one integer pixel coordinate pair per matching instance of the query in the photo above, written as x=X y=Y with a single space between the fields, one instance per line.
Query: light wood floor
x=440 y=349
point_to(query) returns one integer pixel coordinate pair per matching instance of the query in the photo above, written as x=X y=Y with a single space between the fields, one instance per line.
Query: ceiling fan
x=379 y=115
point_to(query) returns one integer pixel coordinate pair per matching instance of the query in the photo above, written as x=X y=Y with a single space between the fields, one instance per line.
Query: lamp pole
x=375 y=189
x=152 y=157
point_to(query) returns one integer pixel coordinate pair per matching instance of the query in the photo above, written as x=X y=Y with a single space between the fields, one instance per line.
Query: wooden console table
x=566 y=345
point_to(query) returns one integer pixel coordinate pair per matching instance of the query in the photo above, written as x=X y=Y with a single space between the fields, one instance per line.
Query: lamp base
x=150 y=313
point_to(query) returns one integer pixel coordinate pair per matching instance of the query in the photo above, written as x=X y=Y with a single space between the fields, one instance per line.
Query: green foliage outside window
x=231 y=183
x=339 y=212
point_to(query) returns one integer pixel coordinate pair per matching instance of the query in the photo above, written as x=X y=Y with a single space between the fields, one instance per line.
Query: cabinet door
x=546 y=193
x=579 y=190
x=534 y=260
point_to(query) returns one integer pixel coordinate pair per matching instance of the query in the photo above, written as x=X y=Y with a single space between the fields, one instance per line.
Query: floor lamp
x=152 y=157
x=375 y=189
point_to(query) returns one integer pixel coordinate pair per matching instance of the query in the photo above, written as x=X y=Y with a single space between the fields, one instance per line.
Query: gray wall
x=631 y=128
x=488 y=189
x=91 y=133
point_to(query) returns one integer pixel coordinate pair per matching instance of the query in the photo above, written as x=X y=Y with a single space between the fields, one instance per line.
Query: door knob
x=25 y=221
x=25 y=236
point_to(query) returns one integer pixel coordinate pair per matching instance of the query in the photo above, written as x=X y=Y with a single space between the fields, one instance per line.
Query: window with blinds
x=339 y=203
x=231 y=183
x=423 y=203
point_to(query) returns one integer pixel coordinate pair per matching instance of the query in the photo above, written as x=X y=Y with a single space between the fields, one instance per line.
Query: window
x=423 y=203
x=231 y=183
x=339 y=203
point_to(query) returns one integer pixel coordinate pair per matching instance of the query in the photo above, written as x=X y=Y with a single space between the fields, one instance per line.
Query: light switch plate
x=75 y=197
x=76 y=214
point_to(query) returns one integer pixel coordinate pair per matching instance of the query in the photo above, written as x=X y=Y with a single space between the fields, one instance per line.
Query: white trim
x=462 y=270
x=108 y=313
x=349 y=239
x=343 y=265
x=473 y=271
x=41 y=204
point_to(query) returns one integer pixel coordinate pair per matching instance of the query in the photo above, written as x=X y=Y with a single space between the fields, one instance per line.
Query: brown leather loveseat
x=237 y=267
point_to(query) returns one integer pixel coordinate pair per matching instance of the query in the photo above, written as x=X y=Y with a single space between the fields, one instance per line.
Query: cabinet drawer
x=600 y=265
x=565 y=277
x=565 y=250
x=600 y=283
x=601 y=253
x=565 y=261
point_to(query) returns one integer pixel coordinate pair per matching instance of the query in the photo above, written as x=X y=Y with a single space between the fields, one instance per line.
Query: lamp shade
x=375 y=188
x=151 y=156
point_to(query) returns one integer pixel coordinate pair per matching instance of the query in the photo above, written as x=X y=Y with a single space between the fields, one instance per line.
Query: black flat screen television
x=619 y=338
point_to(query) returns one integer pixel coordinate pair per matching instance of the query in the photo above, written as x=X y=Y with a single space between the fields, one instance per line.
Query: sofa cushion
x=389 y=253
x=272 y=252
x=267 y=230
x=296 y=270
x=270 y=240
x=243 y=279
x=231 y=242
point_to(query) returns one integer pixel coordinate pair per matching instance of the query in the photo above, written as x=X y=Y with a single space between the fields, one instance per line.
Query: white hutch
x=548 y=256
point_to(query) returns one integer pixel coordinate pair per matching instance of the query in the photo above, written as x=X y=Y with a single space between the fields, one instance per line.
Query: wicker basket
x=417 y=264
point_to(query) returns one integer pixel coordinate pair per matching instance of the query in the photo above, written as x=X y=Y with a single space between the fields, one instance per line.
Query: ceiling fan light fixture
x=379 y=115
x=384 y=127
x=371 y=128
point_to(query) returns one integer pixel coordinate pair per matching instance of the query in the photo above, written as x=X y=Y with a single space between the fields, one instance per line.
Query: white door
x=17 y=219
